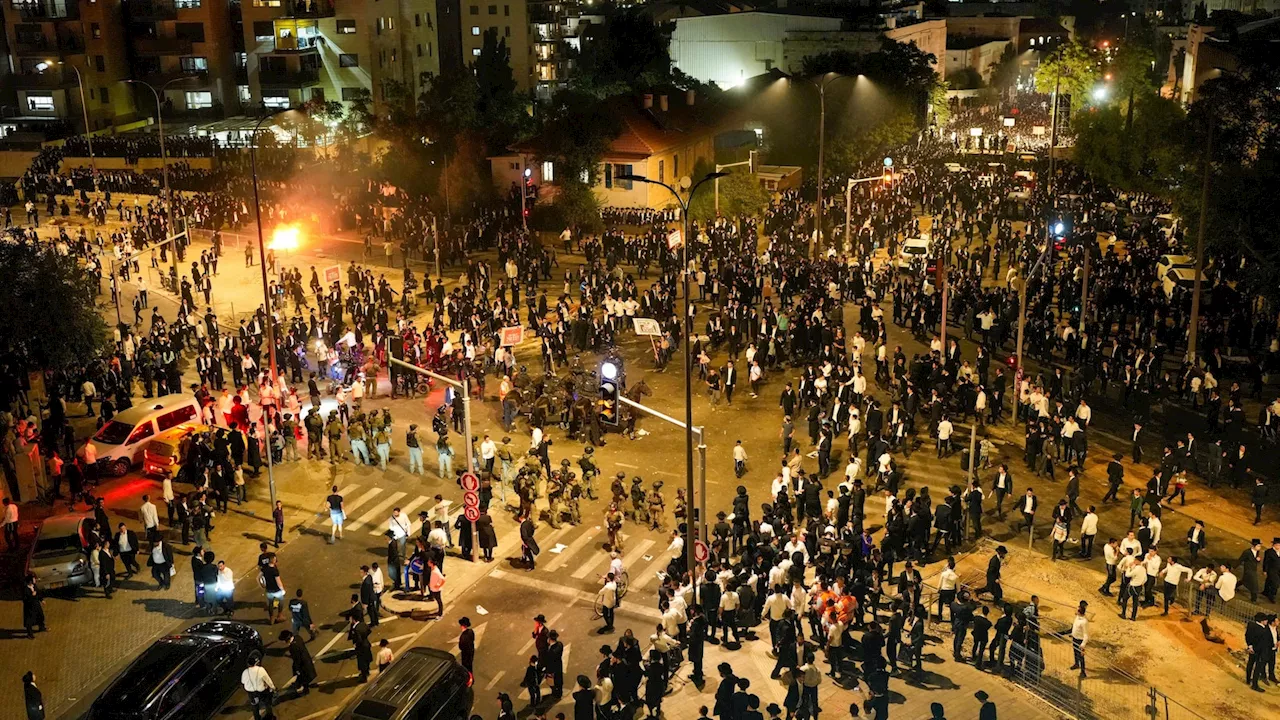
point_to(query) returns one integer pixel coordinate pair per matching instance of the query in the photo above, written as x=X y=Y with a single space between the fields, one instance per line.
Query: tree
x=575 y=205
x=631 y=53
x=740 y=194
x=1144 y=155
x=576 y=134
x=48 y=302
x=870 y=136
x=1073 y=69
x=1132 y=70
x=1239 y=108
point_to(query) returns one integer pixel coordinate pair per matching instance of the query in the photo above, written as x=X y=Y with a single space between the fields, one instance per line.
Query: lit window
x=40 y=103
x=475 y=52
x=348 y=60
x=276 y=101
x=199 y=100
x=346 y=27
x=475 y=29
x=548 y=172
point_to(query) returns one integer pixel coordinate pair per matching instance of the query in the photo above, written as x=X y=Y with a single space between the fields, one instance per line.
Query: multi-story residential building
x=558 y=30
x=186 y=50
x=57 y=46
x=510 y=20
x=297 y=50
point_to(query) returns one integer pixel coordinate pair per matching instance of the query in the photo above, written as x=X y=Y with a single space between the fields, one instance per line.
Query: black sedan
x=189 y=675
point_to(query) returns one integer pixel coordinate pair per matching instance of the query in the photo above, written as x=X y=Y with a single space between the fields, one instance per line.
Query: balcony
x=162 y=46
x=41 y=46
x=181 y=80
x=50 y=80
x=152 y=10
x=294 y=45
x=45 y=10
x=312 y=9
x=289 y=78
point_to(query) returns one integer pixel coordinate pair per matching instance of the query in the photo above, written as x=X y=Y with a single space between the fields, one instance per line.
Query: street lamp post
x=688 y=364
x=84 y=109
x=826 y=79
x=164 y=161
x=262 y=262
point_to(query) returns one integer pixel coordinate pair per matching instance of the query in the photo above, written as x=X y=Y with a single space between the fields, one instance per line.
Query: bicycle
x=621 y=580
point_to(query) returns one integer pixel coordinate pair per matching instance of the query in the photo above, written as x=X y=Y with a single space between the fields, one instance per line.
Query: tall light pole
x=266 y=296
x=84 y=109
x=688 y=362
x=824 y=80
x=1193 y=331
x=164 y=162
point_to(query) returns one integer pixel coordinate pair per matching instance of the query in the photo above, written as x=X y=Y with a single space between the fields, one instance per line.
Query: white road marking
x=494 y=680
x=580 y=542
x=370 y=519
x=545 y=586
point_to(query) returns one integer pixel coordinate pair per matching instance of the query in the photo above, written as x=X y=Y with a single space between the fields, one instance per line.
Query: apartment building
x=57 y=46
x=510 y=19
x=299 y=50
x=186 y=51
x=558 y=29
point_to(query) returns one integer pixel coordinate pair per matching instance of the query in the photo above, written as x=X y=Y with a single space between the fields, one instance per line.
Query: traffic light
x=888 y=176
x=609 y=405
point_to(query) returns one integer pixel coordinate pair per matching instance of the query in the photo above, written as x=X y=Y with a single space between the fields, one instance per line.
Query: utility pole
x=1192 y=332
x=1084 y=282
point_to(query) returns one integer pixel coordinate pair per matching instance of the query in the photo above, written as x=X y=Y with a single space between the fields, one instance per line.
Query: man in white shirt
x=1137 y=577
x=1111 y=556
x=1079 y=637
x=150 y=519
x=1226 y=583
x=1130 y=543
x=608 y=601
x=398 y=525
x=259 y=686
x=945 y=429
x=1173 y=573
x=1088 y=532
x=776 y=606
x=488 y=451
x=1152 y=563
x=1156 y=527
x=729 y=614
x=947 y=580
x=11 y=524
x=439 y=513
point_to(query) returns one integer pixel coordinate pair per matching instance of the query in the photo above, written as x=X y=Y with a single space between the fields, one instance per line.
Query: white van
x=1184 y=278
x=912 y=250
x=1171 y=262
x=1167 y=223
x=120 y=444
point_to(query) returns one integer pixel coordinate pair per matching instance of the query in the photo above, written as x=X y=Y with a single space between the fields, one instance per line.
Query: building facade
x=58 y=47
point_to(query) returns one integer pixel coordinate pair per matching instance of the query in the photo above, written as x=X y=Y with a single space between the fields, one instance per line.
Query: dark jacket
x=304 y=667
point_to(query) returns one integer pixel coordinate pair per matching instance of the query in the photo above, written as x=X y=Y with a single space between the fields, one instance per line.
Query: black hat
x=540 y=618
x=1255 y=541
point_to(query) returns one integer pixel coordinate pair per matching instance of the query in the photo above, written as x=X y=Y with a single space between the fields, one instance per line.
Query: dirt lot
x=1168 y=652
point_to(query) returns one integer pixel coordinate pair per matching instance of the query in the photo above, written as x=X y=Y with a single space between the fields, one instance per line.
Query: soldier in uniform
x=289 y=431
x=334 y=431
x=574 y=495
x=657 y=508
x=613 y=522
x=639 y=503
x=617 y=490
x=589 y=470
x=508 y=458
x=355 y=433
x=555 y=493
x=315 y=428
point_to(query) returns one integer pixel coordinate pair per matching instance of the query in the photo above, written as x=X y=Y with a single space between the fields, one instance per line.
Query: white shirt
x=437 y=537
x=1174 y=572
x=398 y=526
x=1080 y=629
x=1110 y=554
x=488 y=449
x=947 y=579
x=776 y=605
x=1027 y=506
x=255 y=679
x=1153 y=563
x=609 y=596
x=1226 y=585
x=1130 y=544
x=1089 y=526
x=11 y=513
x=944 y=430
x=148 y=513
x=1156 y=526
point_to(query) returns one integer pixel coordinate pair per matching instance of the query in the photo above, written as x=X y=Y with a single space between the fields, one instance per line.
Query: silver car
x=57 y=557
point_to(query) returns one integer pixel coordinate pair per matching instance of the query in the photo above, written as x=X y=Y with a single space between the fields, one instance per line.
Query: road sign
x=512 y=335
x=333 y=274
x=675 y=239
x=470 y=482
x=470 y=499
x=700 y=551
x=646 y=326
x=471 y=513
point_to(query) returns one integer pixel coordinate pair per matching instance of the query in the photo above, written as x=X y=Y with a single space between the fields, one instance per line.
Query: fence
x=1238 y=611
x=1043 y=667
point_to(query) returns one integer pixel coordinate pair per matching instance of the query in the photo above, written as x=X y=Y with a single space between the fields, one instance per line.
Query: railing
x=162 y=46
x=152 y=9
x=38 y=10
x=289 y=78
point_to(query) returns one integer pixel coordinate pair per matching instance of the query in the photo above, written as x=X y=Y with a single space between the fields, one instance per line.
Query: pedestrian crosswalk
x=580 y=562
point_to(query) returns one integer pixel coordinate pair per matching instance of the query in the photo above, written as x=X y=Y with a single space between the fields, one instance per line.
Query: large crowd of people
x=812 y=558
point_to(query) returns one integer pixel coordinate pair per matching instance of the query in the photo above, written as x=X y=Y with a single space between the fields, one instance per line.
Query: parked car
x=189 y=675
x=423 y=684
x=57 y=557
x=166 y=453
x=120 y=443
x=912 y=250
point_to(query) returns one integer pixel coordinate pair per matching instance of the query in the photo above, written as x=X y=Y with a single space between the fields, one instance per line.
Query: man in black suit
x=1115 y=478
x=125 y=542
x=729 y=375
x=1271 y=566
x=993 y=576
x=1196 y=539
x=1259 y=499
x=304 y=666
x=1259 y=641
x=368 y=597
x=1002 y=485
x=32 y=697
x=1249 y=561
x=1137 y=442
x=467 y=645
x=358 y=634
x=528 y=544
